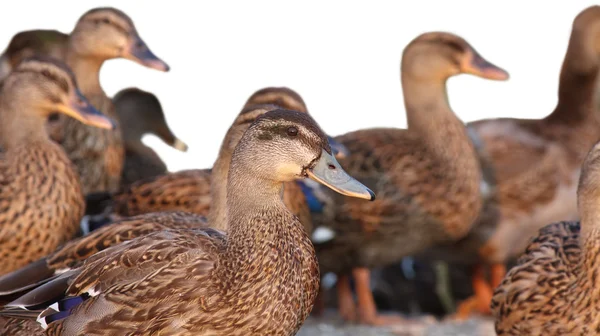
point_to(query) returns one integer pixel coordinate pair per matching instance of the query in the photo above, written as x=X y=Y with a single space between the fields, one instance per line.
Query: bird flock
x=97 y=237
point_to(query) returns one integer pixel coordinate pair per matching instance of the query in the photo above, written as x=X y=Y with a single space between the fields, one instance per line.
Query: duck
x=425 y=196
x=41 y=200
x=192 y=190
x=535 y=164
x=140 y=113
x=99 y=35
x=258 y=278
x=551 y=290
x=187 y=191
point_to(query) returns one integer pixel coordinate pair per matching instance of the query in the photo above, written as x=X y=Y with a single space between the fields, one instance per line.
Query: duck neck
x=252 y=203
x=577 y=87
x=19 y=126
x=87 y=72
x=217 y=216
x=429 y=116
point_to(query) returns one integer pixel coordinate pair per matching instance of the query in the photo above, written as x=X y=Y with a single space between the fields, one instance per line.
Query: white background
x=342 y=56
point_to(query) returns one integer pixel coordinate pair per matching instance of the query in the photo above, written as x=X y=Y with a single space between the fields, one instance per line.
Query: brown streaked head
x=440 y=55
x=107 y=33
x=289 y=99
x=283 y=97
x=140 y=113
x=283 y=145
x=44 y=86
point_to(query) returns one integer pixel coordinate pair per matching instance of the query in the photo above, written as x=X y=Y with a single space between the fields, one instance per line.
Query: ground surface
x=331 y=325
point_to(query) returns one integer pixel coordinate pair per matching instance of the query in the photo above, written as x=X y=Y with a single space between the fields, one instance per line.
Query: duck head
x=289 y=99
x=140 y=113
x=436 y=56
x=43 y=86
x=284 y=145
x=107 y=33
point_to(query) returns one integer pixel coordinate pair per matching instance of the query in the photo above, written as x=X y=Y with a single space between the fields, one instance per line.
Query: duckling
x=260 y=278
x=552 y=290
x=425 y=195
x=140 y=112
x=536 y=165
x=99 y=35
x=40 y=199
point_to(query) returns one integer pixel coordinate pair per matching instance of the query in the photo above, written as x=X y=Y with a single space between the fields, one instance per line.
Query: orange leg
x=367 y=311
x=498 y=271
x=346 y=304
x=482 y=298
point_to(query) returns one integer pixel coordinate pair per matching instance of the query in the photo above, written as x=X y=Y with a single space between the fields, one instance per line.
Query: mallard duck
x=535 y=164
x=190 y=190
x=40 y=196
x=141 y=113
x=99 y=35
x=425 y=195
x=260 y=278
x=552 y=289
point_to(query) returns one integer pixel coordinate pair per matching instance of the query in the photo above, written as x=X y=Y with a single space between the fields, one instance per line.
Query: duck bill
x=80 y=109
x=179 y=145
x=340 y=151
x=476 y=65
x=139 y=52
x=328 y=172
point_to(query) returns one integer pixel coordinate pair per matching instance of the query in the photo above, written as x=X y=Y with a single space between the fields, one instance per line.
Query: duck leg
x=367 y=311
x=443 y=288
x=346 y=305
x=497 y=271
x=482 y=298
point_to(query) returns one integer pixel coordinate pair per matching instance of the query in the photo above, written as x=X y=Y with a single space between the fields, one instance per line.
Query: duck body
x=398 y=166
x=259 y=278
x=38 y=185
x=40 y=192
x=553 y=288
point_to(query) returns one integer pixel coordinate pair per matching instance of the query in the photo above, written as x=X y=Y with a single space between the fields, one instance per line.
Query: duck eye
x=106 y=21
x=292 y=131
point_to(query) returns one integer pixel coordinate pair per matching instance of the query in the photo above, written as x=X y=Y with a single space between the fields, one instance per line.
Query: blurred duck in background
x=534 y=166
x=40 y=196
x=425 y=195
x=100 y=34
x=141 y=113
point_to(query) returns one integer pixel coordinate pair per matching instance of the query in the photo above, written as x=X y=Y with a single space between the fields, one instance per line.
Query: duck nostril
x=332 y=167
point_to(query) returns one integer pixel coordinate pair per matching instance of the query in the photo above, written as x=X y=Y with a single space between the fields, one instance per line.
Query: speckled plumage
x=425 y=196
x=41 y=202
x=553 y=290
x=261 y=278
x=100 y=34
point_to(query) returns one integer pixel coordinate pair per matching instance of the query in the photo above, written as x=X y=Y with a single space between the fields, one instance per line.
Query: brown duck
x=261 y=278
x=535 y=165
x=99 y=35
x=552 y=290
x=40 y=196
x=141 y=113
x=190 y=190
x=425 y=195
